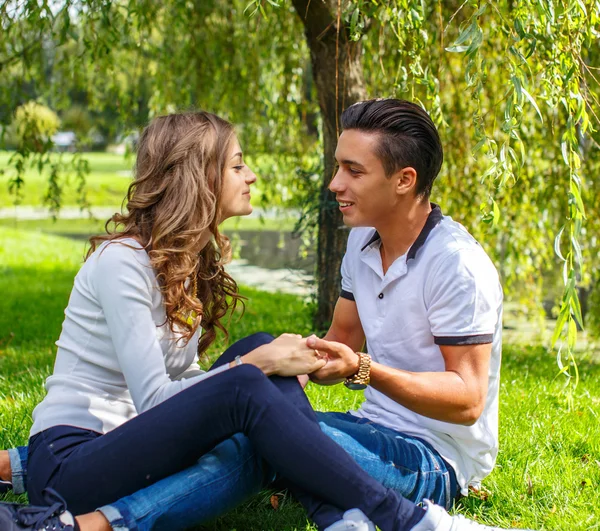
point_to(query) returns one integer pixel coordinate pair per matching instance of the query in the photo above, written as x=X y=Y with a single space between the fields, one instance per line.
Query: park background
x=513 y=88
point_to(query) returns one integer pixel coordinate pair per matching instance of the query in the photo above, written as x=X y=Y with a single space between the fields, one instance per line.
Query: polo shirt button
x=380 y=295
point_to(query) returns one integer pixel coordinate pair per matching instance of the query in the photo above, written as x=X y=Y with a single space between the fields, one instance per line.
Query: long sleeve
x=125 y=287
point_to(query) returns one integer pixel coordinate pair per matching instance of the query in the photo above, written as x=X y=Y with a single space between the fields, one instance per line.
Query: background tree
x=338 y=75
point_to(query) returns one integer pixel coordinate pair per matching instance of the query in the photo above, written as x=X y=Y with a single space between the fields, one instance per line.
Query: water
x=272 y=250
x=272 y=261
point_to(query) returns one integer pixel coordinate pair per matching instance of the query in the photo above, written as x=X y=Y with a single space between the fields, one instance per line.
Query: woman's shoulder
x=121 y=256
x=120 y=249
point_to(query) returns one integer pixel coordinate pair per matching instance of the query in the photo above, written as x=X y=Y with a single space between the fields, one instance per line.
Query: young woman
x=127 y=404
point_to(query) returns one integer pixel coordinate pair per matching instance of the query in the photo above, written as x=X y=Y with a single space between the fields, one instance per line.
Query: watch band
x=361 y=378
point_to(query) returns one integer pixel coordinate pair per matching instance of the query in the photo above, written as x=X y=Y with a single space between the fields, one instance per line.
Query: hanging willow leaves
x=511 y=84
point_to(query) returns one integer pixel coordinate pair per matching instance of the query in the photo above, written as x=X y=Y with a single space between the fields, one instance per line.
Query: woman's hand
x=286 y=355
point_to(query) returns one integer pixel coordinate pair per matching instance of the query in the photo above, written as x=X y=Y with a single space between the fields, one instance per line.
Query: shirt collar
x=435 y=216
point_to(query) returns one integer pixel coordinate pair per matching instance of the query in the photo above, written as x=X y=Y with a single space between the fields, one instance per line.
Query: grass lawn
x=107 y=181
x=548 y=471
x=84 y=227
x=109 y=178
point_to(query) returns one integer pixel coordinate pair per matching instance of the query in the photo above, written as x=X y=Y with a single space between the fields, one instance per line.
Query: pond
x=268 y=260
x=272 y=261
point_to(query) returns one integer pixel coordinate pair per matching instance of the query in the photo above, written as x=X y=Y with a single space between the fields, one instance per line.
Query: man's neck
x=400 y=233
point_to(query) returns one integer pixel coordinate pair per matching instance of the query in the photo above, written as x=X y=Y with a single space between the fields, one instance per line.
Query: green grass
x=106 y=184
x=86 y=226
x=109 y=178
x=548 y=471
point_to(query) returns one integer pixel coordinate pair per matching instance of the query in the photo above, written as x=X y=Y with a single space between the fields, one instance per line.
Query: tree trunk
x=331 y=52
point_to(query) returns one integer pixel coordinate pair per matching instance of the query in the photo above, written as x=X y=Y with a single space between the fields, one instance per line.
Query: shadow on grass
x=32 y=304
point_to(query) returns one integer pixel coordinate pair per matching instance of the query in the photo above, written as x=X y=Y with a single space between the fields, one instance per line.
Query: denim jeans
x=221 y=480
x=409 y=465
x=165 y=443
x=18 y=465
x=233 y=472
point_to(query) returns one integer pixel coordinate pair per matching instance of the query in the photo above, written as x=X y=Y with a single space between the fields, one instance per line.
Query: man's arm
x=456 y=395
x=345 y=328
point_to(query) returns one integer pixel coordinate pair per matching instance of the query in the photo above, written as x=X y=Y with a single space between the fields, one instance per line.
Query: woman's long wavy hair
x=173 y=200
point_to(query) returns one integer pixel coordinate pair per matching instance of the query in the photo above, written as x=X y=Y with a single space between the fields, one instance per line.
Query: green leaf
x=571 y=333
x=532 y=101
x=480 y=11
x=577 y=249
x=557 y=239
x=518 y=88
x=492 y=169
x=576 y=194
x=476 y=42
x=576 y=309
x=354 y=19
x=466 y=34
x=478 y=146
x=519 y=28
x=560 y=323
x=496 y=212
x=564 y=148
x=457 y=49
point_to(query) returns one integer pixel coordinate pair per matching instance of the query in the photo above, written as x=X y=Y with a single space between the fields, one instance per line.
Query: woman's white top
x=116 y=355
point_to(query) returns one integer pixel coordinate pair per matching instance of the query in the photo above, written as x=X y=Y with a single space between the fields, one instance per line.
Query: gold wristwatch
x=361 y=378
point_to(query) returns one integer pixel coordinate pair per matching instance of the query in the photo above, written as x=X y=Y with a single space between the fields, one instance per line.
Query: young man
x=427 y=300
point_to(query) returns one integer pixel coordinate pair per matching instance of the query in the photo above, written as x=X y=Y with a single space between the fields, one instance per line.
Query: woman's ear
x=406 y=181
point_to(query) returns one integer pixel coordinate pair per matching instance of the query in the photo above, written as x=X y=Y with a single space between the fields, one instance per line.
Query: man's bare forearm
x=441 y=396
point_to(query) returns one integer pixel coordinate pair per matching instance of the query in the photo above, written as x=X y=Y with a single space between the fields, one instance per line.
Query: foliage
x=34 y=124
x=547 y=474
x=512 y=85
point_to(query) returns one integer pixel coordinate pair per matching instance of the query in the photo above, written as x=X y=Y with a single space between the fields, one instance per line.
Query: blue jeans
x=159 y=450
x=233 y=472
x=220 y=481
x=18 y=466
x=409 y=465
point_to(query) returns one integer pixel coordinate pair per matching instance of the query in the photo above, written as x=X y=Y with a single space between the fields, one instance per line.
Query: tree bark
x=339 y=80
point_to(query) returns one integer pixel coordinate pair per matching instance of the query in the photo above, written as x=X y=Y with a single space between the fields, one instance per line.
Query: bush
x=77 y=119
x=33 y=126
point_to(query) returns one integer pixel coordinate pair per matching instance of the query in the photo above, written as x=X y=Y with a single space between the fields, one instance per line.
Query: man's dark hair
x=407 y=137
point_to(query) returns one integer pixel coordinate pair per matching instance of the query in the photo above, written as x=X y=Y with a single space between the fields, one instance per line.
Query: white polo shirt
x=443 y=291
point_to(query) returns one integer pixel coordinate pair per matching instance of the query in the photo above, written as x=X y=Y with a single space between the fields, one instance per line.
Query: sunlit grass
x=548 y=471
x=83 y=227
x=108 y=180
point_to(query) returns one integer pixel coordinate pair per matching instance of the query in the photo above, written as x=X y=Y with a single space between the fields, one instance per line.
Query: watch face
x=355 y=386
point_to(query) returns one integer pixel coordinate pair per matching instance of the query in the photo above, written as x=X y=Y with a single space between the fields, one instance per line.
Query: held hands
x=342 y=361
x=286 y=355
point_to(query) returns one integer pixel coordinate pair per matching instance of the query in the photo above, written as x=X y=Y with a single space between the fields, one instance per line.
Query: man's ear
x=406 y=181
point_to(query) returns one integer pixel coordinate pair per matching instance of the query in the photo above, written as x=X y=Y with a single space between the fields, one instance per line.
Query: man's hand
x=342 y=361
